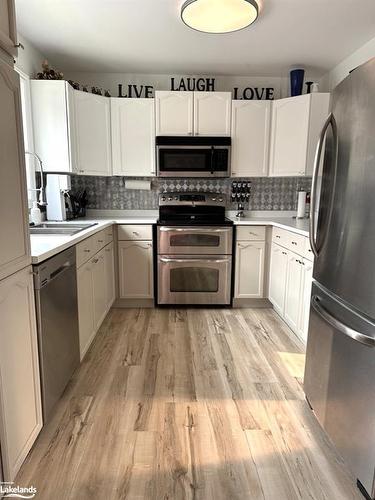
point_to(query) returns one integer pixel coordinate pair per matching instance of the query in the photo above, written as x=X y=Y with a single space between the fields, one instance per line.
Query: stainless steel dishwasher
x=57 y=315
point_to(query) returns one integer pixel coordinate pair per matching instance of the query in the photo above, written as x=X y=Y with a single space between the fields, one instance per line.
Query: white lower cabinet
x=249 y=269
x=99 y=289
x=20 y=399
x=96 y=294
x=109 y=275
x=293 y=291
x=85 y=307
x=135 y=269
x=277 y=280
x=290 y=287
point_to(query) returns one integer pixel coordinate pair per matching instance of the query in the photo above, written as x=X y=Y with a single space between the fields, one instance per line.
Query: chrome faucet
x=41 y=190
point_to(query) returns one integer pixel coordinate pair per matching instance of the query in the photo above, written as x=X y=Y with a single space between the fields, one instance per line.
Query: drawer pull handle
x=100 y=241
x=87 y=250
x=284 y=253
x=135 y=233
x=277 y=236
x=294 y=243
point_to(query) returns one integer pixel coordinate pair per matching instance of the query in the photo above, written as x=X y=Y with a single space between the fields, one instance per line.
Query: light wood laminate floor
x=176 y=404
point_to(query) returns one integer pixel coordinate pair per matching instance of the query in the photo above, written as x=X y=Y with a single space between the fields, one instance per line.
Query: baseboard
x=122 y=303
x=256 y=303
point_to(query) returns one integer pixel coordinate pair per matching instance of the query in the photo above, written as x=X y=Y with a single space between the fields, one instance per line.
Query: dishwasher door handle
x=55 y=274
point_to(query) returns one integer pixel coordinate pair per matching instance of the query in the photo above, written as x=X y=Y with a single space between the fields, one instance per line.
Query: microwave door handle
x=212 y=159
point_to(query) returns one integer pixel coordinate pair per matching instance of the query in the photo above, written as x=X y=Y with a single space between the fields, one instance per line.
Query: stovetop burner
x=195 y=208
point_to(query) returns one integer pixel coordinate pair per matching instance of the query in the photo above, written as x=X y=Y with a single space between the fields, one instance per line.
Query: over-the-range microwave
x=186 y=156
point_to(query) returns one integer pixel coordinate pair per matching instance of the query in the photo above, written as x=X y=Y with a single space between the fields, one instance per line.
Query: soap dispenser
x=35 y=214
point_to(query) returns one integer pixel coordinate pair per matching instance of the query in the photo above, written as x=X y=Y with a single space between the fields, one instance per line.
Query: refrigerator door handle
x=314 y=184
x=346 y=330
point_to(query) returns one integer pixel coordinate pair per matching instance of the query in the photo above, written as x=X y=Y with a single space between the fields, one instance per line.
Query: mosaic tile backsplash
x=267 y=193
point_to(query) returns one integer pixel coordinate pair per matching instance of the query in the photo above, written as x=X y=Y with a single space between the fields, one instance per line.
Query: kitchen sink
x=67 y=229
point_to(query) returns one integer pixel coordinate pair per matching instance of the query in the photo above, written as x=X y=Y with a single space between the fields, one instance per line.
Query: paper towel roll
x=301 y=206
x=137 y=184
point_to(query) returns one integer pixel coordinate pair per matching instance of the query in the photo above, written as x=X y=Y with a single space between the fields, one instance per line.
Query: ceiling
x=147 y=36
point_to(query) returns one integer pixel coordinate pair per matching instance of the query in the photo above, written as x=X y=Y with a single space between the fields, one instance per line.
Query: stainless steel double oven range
x=194 y=250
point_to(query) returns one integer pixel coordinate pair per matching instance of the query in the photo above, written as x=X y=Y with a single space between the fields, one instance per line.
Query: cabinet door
x=92 y=133
x=8 y=31
x=249 y=270
x=109 y=275
x=212 y=113
x=15 y=245
x=293 y=293
x=133 y=136
x=99 y=288
x=250 y=138
x=20 y=399
x=277 y=279
x=136 y=269
x=85 y=307
x=307 y=273
x=289 y=137
x=174 y=113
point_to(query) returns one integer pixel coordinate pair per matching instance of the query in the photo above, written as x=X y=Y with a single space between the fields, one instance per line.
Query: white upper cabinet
x=174 y=113
x=20 y=401
x=8 y=30
x=250 y=138
x=14 y=246
x=53 y=124
x=296 y=124
x=92 y=133
x=133 y=136
x=212 y=113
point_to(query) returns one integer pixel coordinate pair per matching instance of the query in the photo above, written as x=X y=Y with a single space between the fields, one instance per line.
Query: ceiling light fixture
x=219 y=16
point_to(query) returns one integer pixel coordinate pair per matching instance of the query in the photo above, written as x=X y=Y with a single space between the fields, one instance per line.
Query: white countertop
x=45 y=246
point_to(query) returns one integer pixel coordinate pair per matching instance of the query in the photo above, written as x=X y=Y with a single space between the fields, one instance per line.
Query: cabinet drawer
x=280 y=236
x=84 y=250
x=296 y=242
x=251 y=233
x=108 y=235
x=134 y=232
x=308 y=253
x=100 y=240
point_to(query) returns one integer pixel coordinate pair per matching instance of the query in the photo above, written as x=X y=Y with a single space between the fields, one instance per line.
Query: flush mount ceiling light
x=219 y=16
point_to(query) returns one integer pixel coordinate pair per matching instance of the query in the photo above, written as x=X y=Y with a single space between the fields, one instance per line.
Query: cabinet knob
x=87 y=250
x=294 y=243
x=100 y=241
x=277 y=236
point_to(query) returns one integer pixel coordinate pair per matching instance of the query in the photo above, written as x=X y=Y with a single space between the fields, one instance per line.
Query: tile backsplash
x=267 y=193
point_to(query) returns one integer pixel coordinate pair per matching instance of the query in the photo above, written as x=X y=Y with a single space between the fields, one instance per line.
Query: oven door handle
x=194 y=230
x=168 y=260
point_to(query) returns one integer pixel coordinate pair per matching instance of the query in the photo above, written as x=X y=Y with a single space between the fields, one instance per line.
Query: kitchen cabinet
x=99 y=288
x=85 y=307
x=212 y=113
x=277 y=278
x=92 y=133
x=174 y=113
x=95 y=284
x=8 y=30
x=293 y=291
x=54 y=124
x=20 y=398
x=251 y=122
x=193 y=113
x=109 y=275
x=307 y=277
x=296 y=124
x=15 y=245
x=249 y=269
x=133 y=136
x=135 y=269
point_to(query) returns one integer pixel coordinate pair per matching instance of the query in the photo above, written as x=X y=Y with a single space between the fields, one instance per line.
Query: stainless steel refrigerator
x=340 y=360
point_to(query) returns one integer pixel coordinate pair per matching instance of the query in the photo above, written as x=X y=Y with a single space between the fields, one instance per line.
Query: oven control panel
x=194 y=199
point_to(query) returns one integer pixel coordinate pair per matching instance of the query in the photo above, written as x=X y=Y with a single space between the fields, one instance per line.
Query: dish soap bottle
x=35 y=214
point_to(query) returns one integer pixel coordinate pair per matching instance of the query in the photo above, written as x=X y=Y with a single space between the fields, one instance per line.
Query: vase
x=296 y=81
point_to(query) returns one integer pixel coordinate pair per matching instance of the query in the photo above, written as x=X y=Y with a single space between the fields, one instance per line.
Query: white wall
x=29 y=60
x=341 y=71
